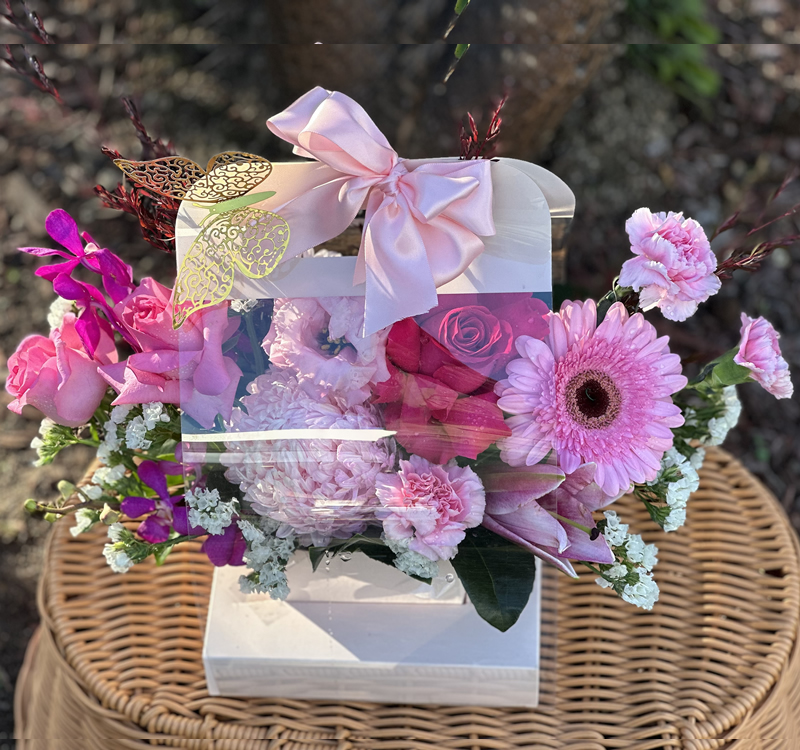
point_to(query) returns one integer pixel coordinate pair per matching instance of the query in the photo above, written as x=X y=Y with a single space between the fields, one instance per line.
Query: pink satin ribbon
x=424 y=220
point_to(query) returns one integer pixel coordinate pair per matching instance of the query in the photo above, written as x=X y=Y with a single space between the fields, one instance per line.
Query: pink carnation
x=760 y=353
x=674 y=264
x=318 y=487
x=321 y=340
x=430 y=505
x=598 y=394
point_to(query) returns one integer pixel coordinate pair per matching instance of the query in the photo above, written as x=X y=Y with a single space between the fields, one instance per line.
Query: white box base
x=382 y=651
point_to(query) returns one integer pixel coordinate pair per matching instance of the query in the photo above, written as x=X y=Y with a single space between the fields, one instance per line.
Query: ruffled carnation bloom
x=432 y=506
x=674 y=264
x=522 y=505
x=598 y=394
x=320 y=340
x=57 y=376
x=319 y=487
x=760 y=352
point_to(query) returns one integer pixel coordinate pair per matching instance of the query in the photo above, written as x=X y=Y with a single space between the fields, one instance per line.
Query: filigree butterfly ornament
x=234 y=235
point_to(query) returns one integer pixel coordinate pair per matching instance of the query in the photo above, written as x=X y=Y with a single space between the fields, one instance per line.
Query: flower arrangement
x=481 y=429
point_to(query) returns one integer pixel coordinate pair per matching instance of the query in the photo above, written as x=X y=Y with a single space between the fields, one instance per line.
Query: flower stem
x=254 y=344
x=592 y=568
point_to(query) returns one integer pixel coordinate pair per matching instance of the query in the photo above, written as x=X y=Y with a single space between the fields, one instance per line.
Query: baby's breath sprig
x=125 y=550
x=666 y=496
x=53 y=438
x=267 y=555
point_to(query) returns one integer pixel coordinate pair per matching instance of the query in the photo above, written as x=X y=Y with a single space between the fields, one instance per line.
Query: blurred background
x=684 y=105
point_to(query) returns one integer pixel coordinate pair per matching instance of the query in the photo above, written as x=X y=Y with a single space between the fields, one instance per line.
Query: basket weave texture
x=116 y=663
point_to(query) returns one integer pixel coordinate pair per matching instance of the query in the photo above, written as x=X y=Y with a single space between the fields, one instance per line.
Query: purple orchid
x=117 y=278
x=167 y=512
x=227 y=548
x=161 y=510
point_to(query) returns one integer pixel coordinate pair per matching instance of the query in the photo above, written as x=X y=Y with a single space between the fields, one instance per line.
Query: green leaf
x=461 y=50
x=461 y=6
x=497 y=575
x=316 y=555
x=721 y=372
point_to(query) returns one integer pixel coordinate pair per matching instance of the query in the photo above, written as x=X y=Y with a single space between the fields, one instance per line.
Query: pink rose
x=146 y=313
x=520 y=504
x=674 y=264
x=438 y=407
x=431 y=506
x=479 y=330
x=183 y=367
x=760 y=353
x=57 y=376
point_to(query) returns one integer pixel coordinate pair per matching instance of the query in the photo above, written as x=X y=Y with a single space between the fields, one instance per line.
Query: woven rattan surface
x=117 y=663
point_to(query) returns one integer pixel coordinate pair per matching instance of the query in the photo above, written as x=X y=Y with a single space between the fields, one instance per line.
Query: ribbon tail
x=399 y=282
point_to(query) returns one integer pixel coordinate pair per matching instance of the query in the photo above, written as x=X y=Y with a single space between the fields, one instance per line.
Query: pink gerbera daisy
x=597 y=394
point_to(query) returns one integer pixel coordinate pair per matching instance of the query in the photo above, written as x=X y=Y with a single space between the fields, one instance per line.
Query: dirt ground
x=628 y=141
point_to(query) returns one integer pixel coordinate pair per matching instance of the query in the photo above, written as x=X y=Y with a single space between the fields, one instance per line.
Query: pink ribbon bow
x=424 y=219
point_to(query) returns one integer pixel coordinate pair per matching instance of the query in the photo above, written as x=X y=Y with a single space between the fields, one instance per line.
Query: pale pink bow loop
x=424 y=220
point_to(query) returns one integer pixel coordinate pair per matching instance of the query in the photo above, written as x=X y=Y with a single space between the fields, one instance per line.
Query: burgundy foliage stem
x=475 y=147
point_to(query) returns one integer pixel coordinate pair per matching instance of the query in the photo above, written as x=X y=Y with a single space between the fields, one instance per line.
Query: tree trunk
x=401 y=85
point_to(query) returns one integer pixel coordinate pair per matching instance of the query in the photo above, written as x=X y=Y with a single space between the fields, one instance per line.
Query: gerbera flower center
x=593 y=400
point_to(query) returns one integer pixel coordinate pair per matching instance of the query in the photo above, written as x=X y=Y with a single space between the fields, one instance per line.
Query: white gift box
x=361 y=630
x=404 y=644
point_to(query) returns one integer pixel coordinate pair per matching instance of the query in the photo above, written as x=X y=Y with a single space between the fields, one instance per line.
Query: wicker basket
x=116 y=663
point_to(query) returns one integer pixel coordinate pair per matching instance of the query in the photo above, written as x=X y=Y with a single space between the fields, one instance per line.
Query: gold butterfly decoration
x=233 y=236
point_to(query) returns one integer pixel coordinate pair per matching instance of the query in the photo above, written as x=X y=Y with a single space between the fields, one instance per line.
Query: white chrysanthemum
x=59 y=308
x=153 y=413
x=318 y=488
x=718 y=427
x=135 y=433
x=207 y=510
